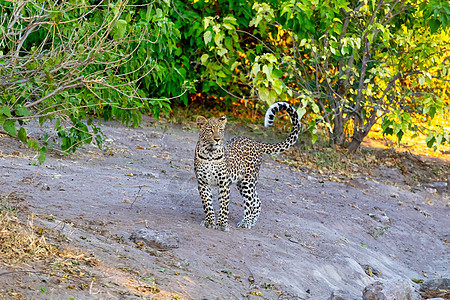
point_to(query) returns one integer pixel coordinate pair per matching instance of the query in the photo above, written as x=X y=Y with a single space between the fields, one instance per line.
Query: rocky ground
x=315 y=237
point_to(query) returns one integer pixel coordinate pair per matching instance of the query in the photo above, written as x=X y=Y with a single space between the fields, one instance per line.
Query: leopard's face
x=211 y=132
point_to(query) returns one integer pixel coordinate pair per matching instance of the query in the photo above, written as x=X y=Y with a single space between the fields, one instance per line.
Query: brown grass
x=22 y=243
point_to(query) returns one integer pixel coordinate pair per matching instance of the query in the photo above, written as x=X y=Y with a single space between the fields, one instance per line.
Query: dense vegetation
x=346 y=64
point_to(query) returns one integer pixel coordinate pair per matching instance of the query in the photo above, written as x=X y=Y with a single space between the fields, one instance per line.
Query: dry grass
x=27 y=249
x=18 y=241
x=24 y=245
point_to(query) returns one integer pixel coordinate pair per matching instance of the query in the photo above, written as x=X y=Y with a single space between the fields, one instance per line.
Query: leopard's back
x=244 y=157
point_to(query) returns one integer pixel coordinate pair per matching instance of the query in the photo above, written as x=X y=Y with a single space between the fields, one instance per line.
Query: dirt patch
x=314 y=235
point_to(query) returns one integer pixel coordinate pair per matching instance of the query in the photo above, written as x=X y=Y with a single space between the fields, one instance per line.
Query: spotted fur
x=237 y=161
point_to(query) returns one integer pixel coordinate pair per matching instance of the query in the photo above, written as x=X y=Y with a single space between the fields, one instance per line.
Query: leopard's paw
x=244 y=224
x=208 y=224
x=223 y=227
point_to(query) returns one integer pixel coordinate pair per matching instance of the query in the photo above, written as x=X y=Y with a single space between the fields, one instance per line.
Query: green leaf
x=278 y=73
x=120 y=29
x=400 y=134
x=159 y=13
x=2 y=119
x=22 y=135
x=22 y=111
x=230 y=20
x=315 y=108
x=229 y=43
x=218 y=38
x=267 y=70
x=5 y=110
x=438 y=138
x=207 y=36
x=221 y=74
x=268 y=96
x=222 y=52
x=41 y=157
x=204 y=58
x=434 y=25
x=301 y=112
x=430 y=140
x=278 y=86
x=422 y=80
x=397 y=127
x=33 y=144
x=10 y=127
x=432 y=112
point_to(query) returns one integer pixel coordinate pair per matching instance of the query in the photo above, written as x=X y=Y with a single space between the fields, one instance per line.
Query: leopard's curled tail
x=293 y=136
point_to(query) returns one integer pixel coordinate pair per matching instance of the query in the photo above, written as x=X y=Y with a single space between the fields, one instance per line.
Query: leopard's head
x=211 y=131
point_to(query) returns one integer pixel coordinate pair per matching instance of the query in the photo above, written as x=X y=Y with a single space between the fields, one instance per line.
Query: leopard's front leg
x=224 y=200
x=205 y=194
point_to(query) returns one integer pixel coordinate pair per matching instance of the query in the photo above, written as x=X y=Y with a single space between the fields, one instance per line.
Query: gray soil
x=313 y=236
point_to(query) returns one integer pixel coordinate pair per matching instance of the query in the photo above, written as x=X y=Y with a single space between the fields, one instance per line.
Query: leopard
x=221 y=163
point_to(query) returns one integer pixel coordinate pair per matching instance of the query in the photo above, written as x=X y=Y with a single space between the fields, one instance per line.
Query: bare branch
x=69 y=85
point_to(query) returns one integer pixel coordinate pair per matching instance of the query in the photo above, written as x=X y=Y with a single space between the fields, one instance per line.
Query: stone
x=311 y=178
x=399 y=289
x=435 y=284
x=374 y=291
x=439 y=287
x=157 y=239
x=293 y=240
x=434 y=187
x=341 y=295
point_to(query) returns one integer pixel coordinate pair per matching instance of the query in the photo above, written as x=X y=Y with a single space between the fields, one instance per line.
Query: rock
x=439 y=287
x=160 y=240
x=293 y=240
x=431 y=190
x=434 y=187
x=383 y=218
x=435 y=284
x=341 y=295
x=374 y=291
x=311 y=178
x=400 y=289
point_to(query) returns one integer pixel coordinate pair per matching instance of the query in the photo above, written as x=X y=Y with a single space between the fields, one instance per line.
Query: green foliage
x=72 y=60
x=348 y=64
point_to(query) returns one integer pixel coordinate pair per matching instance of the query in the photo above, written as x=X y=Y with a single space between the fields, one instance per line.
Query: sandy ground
x=313 y=236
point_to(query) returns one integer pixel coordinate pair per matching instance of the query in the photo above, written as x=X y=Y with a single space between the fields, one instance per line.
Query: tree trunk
x=361 y=132
x=338 y=137
x=357 y=139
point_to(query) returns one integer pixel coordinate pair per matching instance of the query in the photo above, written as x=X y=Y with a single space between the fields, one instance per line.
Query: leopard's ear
x=223 y=120
x=201 y=121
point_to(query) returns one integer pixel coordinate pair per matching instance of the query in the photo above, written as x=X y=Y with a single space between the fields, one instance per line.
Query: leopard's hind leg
x=252 y=203
x=256 y=209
